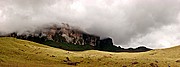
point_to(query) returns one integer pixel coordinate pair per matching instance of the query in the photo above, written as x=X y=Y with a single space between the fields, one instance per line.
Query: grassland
x=21 y=53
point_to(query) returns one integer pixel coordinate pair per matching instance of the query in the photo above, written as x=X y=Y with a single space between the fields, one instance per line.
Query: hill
x=21 y=53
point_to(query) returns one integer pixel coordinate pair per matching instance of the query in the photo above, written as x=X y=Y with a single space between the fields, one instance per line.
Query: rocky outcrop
x=65 y=33
x=62 y=33
x=105 y=43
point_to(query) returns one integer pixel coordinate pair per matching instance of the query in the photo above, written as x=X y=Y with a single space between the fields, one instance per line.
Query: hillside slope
x=21 y=53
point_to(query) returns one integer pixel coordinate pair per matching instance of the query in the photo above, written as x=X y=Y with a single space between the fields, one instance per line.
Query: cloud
x=129 y=22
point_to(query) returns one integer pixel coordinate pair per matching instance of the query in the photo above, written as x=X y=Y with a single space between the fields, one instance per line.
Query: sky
x=131 y=23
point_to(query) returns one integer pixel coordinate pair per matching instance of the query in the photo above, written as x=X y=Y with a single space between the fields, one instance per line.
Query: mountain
x=22 y=53
x=70 y=38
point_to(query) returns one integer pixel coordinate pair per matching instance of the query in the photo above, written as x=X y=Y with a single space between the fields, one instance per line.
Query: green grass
x=21 y=53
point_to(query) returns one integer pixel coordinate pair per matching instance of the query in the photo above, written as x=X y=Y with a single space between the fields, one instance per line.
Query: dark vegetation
x=66 y=46
x=58 y=42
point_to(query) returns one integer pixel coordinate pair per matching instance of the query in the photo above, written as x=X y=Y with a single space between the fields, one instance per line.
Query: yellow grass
x=21 y=53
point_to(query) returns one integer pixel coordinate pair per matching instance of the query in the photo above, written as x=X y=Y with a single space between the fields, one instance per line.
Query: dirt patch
x=135 y=63
x=38 y=52
x=156 y=61
x=22 y=50
x=178 y=61
x=153 y=65
x=2 y=60
x=99 y=59
x=69 y=62
x=52 y=56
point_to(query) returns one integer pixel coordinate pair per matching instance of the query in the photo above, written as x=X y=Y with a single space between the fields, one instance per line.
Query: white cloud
x=165 y=37
x=126 y=21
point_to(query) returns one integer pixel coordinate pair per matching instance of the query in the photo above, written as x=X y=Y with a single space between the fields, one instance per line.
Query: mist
x=131 y=23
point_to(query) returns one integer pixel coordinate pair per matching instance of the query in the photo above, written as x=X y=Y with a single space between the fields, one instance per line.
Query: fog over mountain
x=131 y=23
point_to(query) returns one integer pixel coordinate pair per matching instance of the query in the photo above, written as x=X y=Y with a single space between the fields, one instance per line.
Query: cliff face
x=66 y=34
x=63 y=33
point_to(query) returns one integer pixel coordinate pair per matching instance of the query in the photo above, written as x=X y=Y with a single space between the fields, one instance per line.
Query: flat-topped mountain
x=71 y=38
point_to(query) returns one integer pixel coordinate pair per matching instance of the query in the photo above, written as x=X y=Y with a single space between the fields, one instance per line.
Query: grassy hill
x=22 y=53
